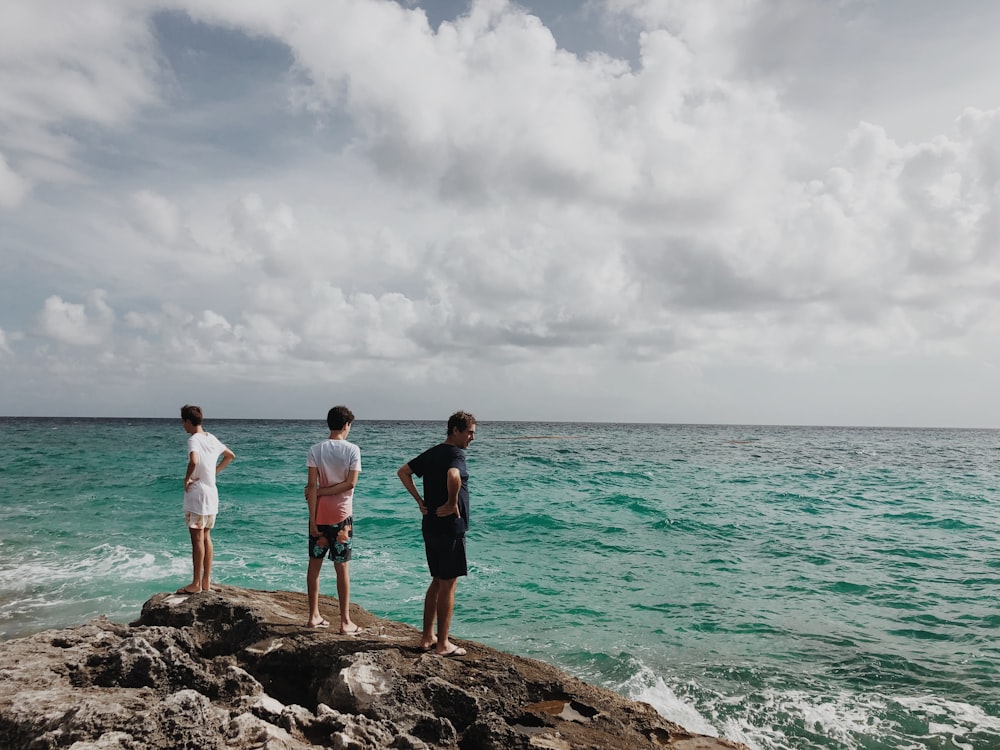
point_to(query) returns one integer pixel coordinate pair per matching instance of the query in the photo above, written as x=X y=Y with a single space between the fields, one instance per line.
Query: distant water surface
x=785 y=587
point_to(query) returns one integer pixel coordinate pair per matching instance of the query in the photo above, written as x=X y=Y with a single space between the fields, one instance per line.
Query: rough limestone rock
x=237 y=669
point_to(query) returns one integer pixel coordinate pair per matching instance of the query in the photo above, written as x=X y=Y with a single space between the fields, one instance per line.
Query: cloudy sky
x=724 y=211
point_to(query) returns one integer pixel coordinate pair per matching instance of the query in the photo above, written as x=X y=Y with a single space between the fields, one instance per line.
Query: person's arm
x=335 y=489
x=312 y=483
x=405 y=475
x=227 y=458
x=189 y=477
x=454 y=485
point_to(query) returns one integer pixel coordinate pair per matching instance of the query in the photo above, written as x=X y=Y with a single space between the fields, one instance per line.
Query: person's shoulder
x=317 y=447
x=449 y=453
x=435 y=449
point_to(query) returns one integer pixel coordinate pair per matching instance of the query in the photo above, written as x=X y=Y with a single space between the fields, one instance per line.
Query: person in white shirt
x=201 y=495
x=333 y=466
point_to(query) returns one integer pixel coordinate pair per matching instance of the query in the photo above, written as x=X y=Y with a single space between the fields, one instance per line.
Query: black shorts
x=339 y=541
x=445 y=554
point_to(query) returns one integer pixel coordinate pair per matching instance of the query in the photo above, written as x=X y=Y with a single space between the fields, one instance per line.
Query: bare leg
x=427 y=639
x=312 y=589
x=197 y=562
x=206 y=576
x=344 y=597
x=445 y=606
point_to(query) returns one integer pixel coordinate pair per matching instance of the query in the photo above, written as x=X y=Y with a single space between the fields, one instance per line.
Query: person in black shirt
x=445 y=509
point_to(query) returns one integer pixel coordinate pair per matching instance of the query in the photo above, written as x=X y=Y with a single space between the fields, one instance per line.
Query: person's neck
x=338 y=435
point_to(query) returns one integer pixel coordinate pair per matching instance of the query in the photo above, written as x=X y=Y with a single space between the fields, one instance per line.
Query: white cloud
x=475 y=192
x=157 y=216
x=13 y=187
x=64 y=62
x=268 y=233
x=75 y=324
x=211 y=321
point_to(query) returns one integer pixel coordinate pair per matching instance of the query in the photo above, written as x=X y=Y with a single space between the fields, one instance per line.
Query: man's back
x=334 y=459
x=433 y=466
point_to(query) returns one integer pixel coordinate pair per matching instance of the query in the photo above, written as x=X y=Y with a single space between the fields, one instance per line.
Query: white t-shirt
x=334 y=459
x=202 y=497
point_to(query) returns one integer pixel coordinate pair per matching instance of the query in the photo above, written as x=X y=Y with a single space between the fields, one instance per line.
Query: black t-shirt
x=433 y=465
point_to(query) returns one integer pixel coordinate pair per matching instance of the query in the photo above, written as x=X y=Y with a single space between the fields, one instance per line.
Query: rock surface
x=235 y=668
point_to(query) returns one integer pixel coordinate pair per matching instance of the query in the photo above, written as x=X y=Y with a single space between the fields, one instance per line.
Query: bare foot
x=318 y=623
x=428 y=645
x=192 y=589
x=351 y=628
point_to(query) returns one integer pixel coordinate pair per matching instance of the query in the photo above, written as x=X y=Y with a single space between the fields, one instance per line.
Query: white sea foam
x=754 y=737
x=951 y=718
x=944 y=730
x=753 y=719
x=839 y=716
x=41 y=590
x=11 y=607
x=650 y=688
x=125 y=564
x=848 y=719
x=105 y=561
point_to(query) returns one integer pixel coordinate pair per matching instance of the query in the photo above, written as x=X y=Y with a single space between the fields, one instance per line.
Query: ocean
x=786 y=587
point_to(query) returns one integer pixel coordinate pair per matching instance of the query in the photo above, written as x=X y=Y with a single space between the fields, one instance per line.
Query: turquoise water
x=785 y=587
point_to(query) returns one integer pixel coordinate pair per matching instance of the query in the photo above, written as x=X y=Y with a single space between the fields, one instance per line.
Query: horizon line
x=526 y=421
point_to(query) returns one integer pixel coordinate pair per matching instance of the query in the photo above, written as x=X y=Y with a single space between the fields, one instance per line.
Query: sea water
x=786 y=587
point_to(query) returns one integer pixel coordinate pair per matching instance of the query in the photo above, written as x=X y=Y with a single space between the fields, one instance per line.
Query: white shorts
x=194 y=521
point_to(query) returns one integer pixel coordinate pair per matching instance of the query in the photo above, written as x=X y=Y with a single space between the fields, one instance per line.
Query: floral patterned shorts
x=337 y=541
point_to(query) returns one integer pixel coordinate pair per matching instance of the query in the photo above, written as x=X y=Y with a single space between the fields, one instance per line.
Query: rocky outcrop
x=237 y=669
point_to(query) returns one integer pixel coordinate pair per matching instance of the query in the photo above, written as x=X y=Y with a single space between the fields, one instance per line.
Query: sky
x=724 y=211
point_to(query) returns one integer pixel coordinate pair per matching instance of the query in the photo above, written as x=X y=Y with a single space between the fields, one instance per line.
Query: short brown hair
x=461 y=420
x=192 y=414
x=339 y=417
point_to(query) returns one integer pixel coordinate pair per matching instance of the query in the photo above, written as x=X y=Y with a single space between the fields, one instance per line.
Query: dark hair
x=461 y=420
x=339 y=417
x=192 y=414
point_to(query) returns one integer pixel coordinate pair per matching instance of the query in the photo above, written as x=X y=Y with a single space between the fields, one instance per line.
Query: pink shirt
x=333 y=461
